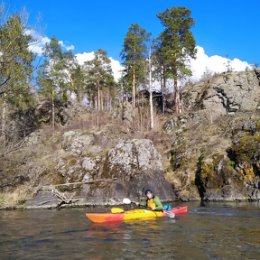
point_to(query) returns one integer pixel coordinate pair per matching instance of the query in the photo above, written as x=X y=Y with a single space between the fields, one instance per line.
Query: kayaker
x=152 y=202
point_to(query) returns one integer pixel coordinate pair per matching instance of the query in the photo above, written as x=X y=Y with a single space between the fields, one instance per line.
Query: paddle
x=167 y=212
x=117 y=210
x=120 y=210
x=128 y=201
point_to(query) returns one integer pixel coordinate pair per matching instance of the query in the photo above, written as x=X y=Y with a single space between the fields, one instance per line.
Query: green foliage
x=247 y=149
x=99 y=77
x=176 y=42
x=134 y=55
x=99 y=71
x=53 y=75
x=174 y=45
x=78 y=81
x=16 y=64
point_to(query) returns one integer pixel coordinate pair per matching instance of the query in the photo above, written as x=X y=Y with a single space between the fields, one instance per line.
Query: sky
x=224 y=29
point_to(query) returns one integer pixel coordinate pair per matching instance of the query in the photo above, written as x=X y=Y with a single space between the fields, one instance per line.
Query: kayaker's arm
x=158 y=203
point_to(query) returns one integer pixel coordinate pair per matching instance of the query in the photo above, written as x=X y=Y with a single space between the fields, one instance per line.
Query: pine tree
x=134 y=56
x=78 y=81
x=15 y=67
x=99 y=78
x=176 y=45
x=54 y=75
x=159 y=65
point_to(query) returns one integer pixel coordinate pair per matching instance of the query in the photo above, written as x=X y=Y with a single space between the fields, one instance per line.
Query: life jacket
x=150 y=203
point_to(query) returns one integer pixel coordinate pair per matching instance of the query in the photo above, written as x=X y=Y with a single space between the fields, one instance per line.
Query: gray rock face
x=132 y=157
x=76 y=143
x=125 y=171
x=130 y=168
x=224 y=94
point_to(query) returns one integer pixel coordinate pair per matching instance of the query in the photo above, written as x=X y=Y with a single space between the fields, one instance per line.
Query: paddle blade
x=117 y=210
x=126 y=201
x=169 y=214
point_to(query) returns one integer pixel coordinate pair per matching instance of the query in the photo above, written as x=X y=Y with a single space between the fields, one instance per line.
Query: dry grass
x=15 y=198
x=88 y=121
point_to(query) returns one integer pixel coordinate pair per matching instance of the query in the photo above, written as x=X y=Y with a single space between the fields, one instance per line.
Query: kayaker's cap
x=147 y=191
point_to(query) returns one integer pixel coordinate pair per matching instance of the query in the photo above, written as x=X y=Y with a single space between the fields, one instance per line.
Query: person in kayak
x=152 y=202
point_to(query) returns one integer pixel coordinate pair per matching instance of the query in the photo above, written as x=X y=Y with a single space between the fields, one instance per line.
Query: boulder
x=129 y=168
x=77 y=143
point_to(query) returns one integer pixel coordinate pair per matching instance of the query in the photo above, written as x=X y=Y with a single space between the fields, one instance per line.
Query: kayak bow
x=135 y=214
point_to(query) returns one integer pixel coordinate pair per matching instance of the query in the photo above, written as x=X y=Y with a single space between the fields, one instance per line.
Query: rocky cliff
x=215 y=143
x=210 y=152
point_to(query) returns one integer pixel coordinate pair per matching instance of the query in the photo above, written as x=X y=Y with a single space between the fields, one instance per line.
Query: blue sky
x=223 y=27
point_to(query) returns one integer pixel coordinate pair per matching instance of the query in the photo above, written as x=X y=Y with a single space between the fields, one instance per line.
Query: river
x=215 y=231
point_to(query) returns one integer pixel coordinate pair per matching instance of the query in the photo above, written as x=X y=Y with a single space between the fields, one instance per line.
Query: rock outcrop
x=224 y=94
x=216 y=142
x=104 y=178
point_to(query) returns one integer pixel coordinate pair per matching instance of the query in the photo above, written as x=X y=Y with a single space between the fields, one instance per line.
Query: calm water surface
x=215 y=231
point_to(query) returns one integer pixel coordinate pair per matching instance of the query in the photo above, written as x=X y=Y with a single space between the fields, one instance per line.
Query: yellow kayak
x=135 y=214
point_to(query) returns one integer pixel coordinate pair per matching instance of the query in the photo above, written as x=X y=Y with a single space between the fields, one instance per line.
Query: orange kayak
x=135 y=214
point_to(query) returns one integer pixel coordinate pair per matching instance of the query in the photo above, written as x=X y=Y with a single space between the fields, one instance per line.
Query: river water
x=209 y=232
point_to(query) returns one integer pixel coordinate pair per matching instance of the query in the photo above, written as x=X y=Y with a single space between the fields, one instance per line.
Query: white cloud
x=115 y=64
x=117 y=68
x=214 y=64
x=85 y=56
x=39 y=42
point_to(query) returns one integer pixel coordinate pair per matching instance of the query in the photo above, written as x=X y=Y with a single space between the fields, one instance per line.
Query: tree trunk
x=98 y=104
x=176 y=87
x=133 y=89
x=151 y=94
x=163 y=93
x=4 y=117
x=177 y=97
x=101 y=100
x=94 y=102
x=110 y=103
x=140 y=118
x=53 y=114
x=98 y=97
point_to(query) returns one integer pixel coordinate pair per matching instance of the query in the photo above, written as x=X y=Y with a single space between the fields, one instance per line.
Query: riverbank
x=210 y=152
